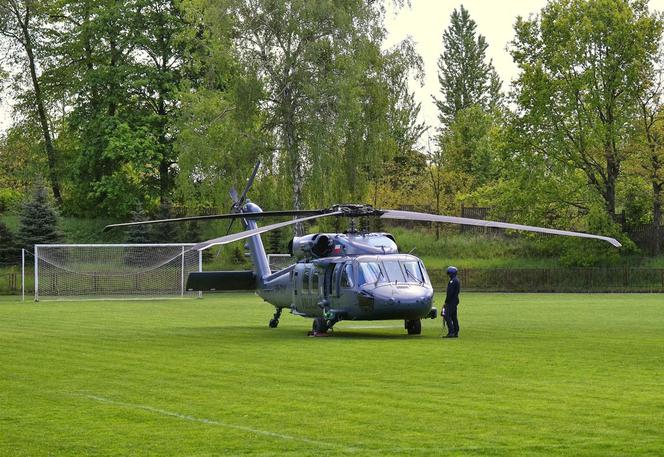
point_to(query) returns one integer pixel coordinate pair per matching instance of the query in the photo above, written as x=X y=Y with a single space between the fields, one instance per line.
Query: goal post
x=114 y=270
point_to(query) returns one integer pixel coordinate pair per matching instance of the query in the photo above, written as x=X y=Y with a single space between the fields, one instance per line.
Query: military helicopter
x=336 y=276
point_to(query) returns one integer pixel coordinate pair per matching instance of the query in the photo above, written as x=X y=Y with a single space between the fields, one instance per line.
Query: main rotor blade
x=413 y=216
x=240 y=201
x=221 y=216
x=249 y=233
x=233 y=194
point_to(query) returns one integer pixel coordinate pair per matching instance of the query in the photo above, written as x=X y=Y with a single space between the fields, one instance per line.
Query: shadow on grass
x=265 y=333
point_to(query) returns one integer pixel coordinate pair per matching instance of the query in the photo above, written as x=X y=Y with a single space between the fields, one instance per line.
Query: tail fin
x=258 y=255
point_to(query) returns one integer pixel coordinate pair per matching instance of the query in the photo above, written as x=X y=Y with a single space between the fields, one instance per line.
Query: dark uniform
x=451 y=303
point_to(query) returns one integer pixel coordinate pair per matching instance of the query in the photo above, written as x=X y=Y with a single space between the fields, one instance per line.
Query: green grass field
x=530 y=375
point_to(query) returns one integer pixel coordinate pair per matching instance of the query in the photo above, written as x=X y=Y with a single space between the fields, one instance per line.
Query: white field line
x=201 y=420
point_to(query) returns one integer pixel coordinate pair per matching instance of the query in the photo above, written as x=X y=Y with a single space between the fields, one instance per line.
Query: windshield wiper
x=413 y=276
x=380 y=275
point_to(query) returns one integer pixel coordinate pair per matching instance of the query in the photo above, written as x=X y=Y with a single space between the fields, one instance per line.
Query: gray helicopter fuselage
x=358 y=287
x=343 y=276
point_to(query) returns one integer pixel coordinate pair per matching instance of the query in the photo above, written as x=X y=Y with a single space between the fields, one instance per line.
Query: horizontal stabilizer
x=221 y=280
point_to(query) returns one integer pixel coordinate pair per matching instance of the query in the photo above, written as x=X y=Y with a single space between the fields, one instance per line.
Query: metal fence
x=624 y=279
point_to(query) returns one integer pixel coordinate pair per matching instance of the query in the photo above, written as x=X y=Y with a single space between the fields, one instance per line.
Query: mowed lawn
x=531 y=374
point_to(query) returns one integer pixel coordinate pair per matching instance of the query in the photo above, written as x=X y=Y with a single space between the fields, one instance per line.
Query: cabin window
x=305 y=281
x=347 y=276
x=314 y=281
x=412 y=270
x=328 y=280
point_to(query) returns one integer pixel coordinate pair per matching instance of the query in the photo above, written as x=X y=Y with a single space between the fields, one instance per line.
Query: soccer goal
x=114 y=270
x=279 y=261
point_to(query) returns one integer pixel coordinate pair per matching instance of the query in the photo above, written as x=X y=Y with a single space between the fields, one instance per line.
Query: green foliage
x=138 y=234
x=168 y=232
x=471 y=144
x=38 y=221
x=575 y=253
x=10 y=199
x=237 y=255
x=274 y=242
x=582 y=63
x=9 y=253
x=22 y=163
x=634 y=192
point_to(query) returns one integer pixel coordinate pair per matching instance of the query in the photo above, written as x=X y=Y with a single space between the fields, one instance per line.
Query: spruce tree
x=138 y=234
x=39 y=222
x=164 y=233
x=9 y=253
x=465 y=76
x=274 y=241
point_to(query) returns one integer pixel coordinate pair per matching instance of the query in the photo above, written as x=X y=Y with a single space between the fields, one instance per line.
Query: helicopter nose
x=415 y=300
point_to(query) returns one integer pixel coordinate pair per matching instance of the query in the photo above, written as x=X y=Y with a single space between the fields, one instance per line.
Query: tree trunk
x=43 y=120
x=657 y=216
x=437 y=212
x=293 y=154
x=612 y=172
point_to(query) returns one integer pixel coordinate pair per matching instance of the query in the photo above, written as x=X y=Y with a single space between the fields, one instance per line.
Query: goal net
x=114 y=270
x=279 y=261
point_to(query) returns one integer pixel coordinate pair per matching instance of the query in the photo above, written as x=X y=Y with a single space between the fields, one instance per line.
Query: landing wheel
x=274 y=322
x=320 y=325
x=414 y=327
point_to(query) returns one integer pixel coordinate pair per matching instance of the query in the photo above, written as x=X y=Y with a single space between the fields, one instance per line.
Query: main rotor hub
x=355 y=210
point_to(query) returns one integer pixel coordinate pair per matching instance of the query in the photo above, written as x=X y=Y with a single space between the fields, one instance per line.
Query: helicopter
x=355 y=275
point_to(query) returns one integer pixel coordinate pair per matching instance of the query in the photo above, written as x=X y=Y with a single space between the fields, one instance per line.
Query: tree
x=435 y=165
x=581 y=64
x=465 y=76
x=39 y=221
x=651 y=153
x=325 y=91
x=9 y=253
x=138 y=234
x=470 y=145
x=120 y=65
x=21 y=21
x=165 y=233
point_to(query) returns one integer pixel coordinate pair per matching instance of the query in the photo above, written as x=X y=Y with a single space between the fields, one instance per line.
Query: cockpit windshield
x=370 y=272
x=412 y=270
x=394 y=273
x=393 y=270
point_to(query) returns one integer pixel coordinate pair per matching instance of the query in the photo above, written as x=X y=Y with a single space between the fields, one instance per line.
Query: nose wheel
x=414 y=327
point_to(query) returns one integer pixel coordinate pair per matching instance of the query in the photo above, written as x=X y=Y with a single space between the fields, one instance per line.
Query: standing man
x=451 y=303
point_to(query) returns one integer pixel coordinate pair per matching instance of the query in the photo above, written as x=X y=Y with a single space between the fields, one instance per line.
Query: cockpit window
x=424 y=273
x=412 y=270
x=370 y=272
x=347 y=276
x=394 y=273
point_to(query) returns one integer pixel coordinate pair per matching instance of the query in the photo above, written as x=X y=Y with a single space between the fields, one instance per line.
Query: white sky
x=425 y=21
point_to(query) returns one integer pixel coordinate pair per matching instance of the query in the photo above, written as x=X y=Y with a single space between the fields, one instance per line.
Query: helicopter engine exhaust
x=317 y=245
